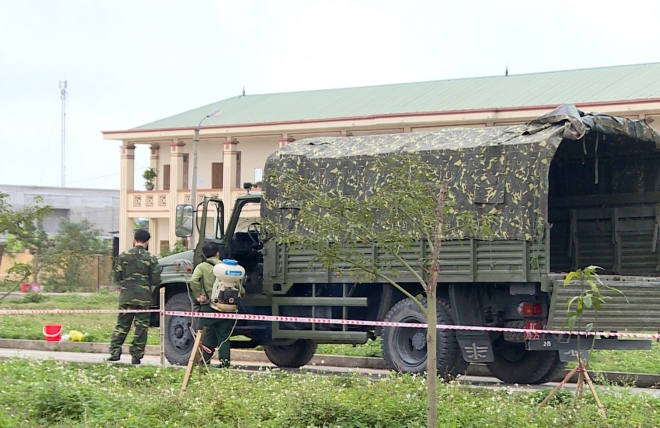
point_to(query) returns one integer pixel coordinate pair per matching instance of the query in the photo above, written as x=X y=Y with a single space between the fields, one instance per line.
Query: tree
x=21 y=224
x=73 y=248
x=591 y=297
x=405 y=201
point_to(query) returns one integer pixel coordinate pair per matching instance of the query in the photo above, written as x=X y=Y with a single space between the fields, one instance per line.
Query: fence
x=97 y=273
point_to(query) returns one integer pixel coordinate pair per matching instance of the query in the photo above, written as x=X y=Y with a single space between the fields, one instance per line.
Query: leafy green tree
x=408 y=202
x=73 y=249
x=20 y=224
x=178 y=247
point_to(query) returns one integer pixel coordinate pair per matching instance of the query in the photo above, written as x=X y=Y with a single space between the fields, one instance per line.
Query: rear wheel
x=514 y=364
x=404 y=348
x=295 y=355
x=179 y=340
x=555 y=371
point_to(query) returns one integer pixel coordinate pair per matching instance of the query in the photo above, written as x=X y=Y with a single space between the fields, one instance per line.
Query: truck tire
x=460 y=365
x=296 y=355
x=178 y=337
x=555 y=371
x=514 y=364
x=404 y=349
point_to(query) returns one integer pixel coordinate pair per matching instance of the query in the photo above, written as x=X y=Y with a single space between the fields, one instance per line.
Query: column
x=154 y=244
x=176 y=183
x=229 y=157
x=153 y=163
x=126 y=184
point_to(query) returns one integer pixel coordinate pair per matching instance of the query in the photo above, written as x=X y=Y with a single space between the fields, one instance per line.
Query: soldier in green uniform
x=136 y=271
x=218 y=330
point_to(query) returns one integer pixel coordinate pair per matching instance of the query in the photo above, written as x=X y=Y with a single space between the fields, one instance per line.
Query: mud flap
x=476 y=346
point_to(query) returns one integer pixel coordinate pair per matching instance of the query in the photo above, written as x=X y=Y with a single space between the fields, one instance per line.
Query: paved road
x=79 y=357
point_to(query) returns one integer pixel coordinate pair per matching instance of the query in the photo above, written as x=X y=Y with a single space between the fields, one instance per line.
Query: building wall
x=258 y=141
x=99 y=206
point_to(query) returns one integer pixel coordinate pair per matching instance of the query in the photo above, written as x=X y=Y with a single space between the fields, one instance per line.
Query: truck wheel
x=514 y=364
x=296 y=355
x=555 y=371
x=404 y=348
x=460 y=366
x=178 y=338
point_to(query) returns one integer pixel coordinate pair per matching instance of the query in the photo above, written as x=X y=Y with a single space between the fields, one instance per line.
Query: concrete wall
x=99 y=206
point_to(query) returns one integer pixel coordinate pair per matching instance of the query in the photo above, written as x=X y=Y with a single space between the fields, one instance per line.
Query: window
x=238 y=170
x=166 y=177
x=216 y=175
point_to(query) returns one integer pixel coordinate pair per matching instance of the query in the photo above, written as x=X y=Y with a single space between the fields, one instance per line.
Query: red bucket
x=25 y=287
x=53 y=332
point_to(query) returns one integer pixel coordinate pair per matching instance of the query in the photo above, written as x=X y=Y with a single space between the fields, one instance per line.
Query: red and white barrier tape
x=73 y=311
x=276 y=318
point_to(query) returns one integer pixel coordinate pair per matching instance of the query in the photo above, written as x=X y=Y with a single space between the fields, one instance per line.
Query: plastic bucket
x=25 y=287
x=53 y=332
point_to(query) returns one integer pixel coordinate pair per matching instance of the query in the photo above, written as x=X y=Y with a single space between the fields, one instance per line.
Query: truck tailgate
x=635 y=309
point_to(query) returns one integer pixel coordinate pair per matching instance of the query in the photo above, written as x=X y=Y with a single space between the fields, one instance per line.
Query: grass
x=99 y=329
x=52 y=393
x=97 y=326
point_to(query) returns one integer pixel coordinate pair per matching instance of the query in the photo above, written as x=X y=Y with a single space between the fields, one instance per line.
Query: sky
x=130 y=62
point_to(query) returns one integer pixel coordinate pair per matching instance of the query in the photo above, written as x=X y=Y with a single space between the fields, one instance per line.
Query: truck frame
x=572 y=190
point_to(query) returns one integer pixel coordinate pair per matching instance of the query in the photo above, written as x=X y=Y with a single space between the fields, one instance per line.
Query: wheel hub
x=180 y=336
x=418 y=341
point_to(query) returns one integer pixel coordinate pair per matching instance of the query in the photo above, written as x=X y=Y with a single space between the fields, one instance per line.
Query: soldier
x=136 y=270
x=218 y=330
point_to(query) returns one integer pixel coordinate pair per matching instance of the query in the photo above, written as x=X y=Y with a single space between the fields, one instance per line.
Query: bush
x=178 y=247
x=35 y=298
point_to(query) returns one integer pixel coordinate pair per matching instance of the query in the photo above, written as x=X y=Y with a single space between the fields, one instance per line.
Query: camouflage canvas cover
x=501 y=170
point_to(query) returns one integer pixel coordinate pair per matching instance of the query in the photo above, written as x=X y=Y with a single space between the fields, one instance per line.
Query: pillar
x=154 y=244
x=126 y=184
x=229 y=179
x=153 y=163
x=176 y=184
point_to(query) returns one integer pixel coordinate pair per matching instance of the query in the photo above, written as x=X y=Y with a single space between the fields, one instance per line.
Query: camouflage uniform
x=218 y=330
x=136 y=270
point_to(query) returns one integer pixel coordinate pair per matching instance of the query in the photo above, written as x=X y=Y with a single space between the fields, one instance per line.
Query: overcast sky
x=131 y=62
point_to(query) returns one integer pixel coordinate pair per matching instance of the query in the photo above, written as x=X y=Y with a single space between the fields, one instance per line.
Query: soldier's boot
x=224 y=364
x=114 y=357
x=136 y=360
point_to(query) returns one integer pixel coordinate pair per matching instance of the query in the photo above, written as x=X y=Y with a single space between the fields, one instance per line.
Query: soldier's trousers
x=217 y=333
x=124 y=322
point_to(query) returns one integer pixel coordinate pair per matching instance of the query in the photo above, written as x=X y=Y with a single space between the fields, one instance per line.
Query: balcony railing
x=160 y=200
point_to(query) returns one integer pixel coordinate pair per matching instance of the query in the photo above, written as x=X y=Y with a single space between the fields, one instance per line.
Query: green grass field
x=99 y=329
x=57 y=394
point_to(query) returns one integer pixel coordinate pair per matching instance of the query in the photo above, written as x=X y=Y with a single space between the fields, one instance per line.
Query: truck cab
x=240 y=240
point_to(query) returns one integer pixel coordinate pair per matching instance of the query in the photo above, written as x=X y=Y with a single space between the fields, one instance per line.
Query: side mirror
x=184 y=220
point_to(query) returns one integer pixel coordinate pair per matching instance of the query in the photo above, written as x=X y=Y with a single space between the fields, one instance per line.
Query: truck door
x=209 y=222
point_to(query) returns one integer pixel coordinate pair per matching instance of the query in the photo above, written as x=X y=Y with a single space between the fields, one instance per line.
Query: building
x=234 y=145
x=99 y=206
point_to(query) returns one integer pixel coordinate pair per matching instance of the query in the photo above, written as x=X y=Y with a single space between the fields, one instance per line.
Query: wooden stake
x=560 y=386
x=601 y=408
x=162 y=327
x=193 y=358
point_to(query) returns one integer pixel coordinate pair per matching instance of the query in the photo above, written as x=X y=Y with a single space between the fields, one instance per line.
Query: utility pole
x=63 y=126
x=193 y=187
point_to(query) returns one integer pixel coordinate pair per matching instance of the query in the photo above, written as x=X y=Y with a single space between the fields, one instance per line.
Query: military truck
x=569 y=189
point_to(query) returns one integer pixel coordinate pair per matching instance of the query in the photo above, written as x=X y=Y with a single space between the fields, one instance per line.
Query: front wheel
x=404 y=348
x=514 y=364
x=295 y=355
x=179 y=339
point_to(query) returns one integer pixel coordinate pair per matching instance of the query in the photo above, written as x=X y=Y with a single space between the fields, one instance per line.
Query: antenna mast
x=63 y=98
